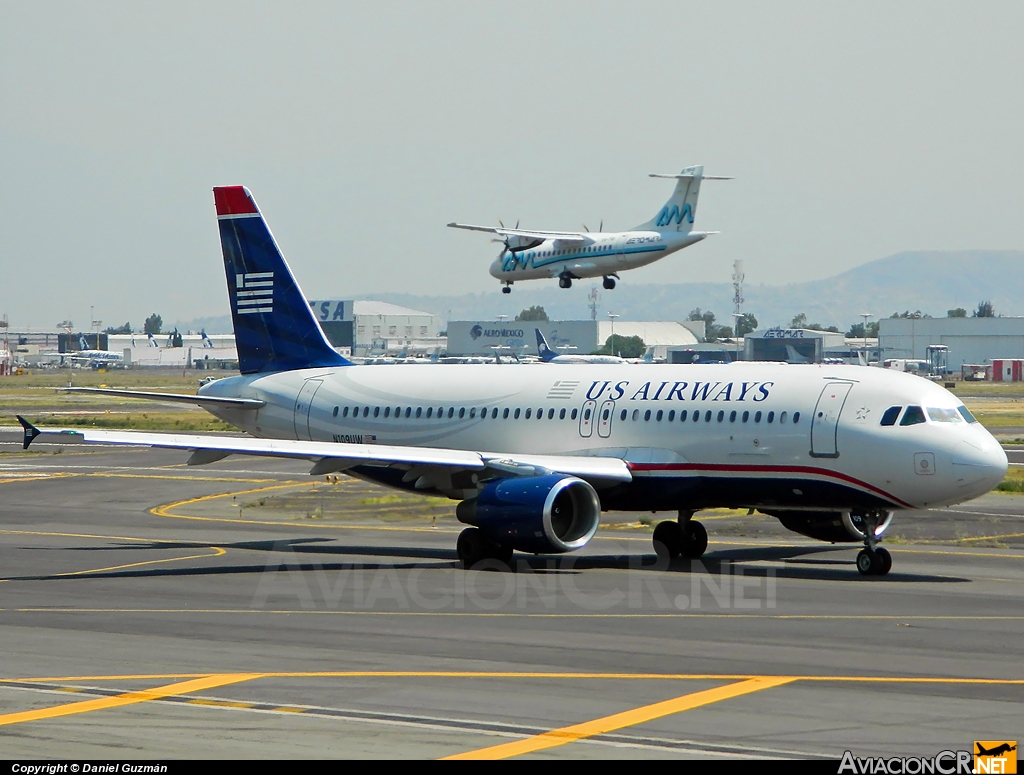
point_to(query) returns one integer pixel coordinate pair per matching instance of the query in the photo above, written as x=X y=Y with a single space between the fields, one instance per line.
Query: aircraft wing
x=576 y=237
x=330 y=456
x=179 y=398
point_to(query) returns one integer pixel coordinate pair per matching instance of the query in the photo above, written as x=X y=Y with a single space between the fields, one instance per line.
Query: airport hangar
x=566 y=337
x=970 y=340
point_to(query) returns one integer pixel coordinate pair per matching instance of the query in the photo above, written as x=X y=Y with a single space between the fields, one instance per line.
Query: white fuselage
x=607 y=254
x=742 y=434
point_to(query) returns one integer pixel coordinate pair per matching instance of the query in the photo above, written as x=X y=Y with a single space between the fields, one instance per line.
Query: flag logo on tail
x=254 y=292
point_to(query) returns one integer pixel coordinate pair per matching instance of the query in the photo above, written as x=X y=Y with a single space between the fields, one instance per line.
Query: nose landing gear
x=506 y=288
x=873 y=560
x=683 y=538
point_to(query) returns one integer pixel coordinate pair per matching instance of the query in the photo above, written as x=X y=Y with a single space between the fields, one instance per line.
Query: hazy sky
x=854 y=130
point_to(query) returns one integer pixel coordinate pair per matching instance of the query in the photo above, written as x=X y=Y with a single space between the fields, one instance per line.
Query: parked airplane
x=573 y=255
x=535 y=455
x=547 y=355
x=97 y=358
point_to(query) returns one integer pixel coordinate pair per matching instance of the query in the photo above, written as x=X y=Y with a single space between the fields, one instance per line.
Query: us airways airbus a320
x=573 y=255
x=534 y=455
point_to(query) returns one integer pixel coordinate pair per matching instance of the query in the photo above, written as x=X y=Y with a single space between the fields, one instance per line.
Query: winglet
x=31 y=431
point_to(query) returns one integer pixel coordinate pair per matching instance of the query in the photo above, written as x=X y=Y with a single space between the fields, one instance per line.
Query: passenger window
x=408 y=412
x=771 y=416
x=366 y=411
x=344 y=412
x=540 y=414
x=647 y=416
x=574 y=413
x=707 y=416
x=336 y=410
x=732 y=416
x=796 y=417
x=757 y=417
x=586 y=414
x=890 y=415
x=561 y=414
x=913 y=416
x=622 y=416
x=515 y=414
x=782 y=417
x=746 y=416
x=419 y=412
x=376 y=411
x=682 y=416
x=451 y=412
x=398 y=411
x=462 y=413
x=430 y=411
x=966 y=414
x=551 y=414
x=658 y=416
x=472 y=413
x=387 y=411
x=671 y=415
x=605 y=413
x=636 y=415
x=529 y=412
x=504 y=414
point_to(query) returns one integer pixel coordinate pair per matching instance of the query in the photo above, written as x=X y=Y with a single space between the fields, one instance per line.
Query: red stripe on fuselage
x=233 y=200
x=724 y=467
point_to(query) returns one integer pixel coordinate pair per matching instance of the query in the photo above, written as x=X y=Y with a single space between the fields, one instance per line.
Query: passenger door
x=303 y=404
x=825 y=423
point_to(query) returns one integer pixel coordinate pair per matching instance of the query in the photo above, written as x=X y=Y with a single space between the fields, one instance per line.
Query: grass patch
x=140 y=421
x=1013 y=482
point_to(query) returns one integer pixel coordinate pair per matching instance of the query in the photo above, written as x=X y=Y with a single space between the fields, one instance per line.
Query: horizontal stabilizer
x=179 y=398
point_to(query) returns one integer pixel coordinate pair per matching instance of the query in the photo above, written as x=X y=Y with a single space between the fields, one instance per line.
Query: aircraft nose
x=979 y=467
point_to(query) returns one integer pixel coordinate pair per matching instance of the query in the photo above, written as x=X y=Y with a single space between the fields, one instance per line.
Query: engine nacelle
x=538 y=514
x=832 y=526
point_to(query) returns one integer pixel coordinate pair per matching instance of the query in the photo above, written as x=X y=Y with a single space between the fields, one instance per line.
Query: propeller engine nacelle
x=832 y=526
x=537 y=514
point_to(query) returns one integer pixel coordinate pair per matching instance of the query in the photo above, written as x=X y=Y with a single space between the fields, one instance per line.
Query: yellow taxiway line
x=629 y=718
x=129 y=698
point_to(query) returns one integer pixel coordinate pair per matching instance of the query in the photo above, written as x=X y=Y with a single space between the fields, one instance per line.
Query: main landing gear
x=873 y=560
x=609 y=283
x=565 y=281
x=684 y=538
x=473 y=546
x=506 y=288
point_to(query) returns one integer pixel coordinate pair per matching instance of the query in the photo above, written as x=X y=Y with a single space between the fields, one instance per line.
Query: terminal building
x=362 y=328
x=568 y=337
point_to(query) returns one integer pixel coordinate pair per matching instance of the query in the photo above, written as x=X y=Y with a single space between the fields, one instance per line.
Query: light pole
x=865 y=315
x=612 y=315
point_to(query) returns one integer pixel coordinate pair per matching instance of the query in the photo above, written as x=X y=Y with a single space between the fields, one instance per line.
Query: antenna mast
x=737 y=287
x=594 y=296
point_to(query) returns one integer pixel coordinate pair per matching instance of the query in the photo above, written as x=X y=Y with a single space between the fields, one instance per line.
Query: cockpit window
x=913 y=416
x=889 y=418
x=966 y=414
x=943 y=415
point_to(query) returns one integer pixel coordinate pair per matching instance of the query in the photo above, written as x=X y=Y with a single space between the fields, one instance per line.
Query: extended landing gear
x=609 y=283
x=473 y=546
x=873 y=560
x=506 y=289
x=565 y=281
x=683 y=538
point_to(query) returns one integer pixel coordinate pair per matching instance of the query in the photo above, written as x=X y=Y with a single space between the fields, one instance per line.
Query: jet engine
x=537 y=514
x=833 y=526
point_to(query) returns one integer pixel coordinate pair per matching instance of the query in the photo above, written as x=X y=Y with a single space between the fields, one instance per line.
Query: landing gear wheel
x=669 y=540
x=695 y=540
x=506 y=289
x=884 y=561
x=609 y=283
x=866 y=562
x=471 y=547
x=565 y=282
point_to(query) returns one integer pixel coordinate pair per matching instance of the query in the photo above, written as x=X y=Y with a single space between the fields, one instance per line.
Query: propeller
x=507 y=248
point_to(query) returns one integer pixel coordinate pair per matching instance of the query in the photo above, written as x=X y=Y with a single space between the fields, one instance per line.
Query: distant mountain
x=930 y=281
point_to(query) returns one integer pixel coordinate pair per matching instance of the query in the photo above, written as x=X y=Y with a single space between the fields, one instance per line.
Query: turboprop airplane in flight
x=574 y=255
x=534 y=455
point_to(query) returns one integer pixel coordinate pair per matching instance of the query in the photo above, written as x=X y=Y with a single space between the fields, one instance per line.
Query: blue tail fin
x=546 y=353
x=274 y=327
